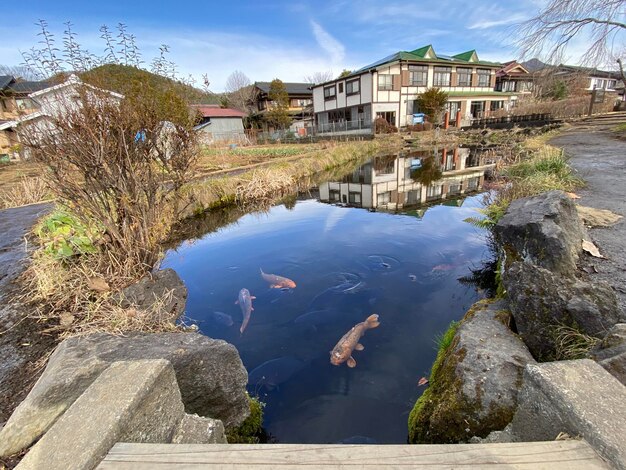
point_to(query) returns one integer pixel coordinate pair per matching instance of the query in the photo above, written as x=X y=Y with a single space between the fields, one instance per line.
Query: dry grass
x=29 y=190
x=213 y=159
x=572 y=344
x=61 y=294
x=265 y=185
x=21 y=183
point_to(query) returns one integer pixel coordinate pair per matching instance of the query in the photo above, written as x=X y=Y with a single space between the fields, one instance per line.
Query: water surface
x=365 y=244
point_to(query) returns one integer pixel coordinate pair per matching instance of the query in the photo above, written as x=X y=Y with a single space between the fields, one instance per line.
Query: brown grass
x=21 y=183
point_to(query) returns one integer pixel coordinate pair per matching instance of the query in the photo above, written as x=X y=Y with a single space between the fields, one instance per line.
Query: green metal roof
x=467 y=56
x=422 y=51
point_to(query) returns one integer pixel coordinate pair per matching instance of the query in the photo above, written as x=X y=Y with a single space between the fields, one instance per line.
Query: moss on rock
x=474 y=380
x=251 y=430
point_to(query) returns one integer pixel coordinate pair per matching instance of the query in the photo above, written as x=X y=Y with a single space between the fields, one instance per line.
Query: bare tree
x=18 y=71
x=319 y=77
x=550 y=32
x=241 y=92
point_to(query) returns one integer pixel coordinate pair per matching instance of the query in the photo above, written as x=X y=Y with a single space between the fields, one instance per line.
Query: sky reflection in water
x=347 y=263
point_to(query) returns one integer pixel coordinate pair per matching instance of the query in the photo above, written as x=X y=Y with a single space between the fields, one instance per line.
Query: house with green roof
x=389 y=88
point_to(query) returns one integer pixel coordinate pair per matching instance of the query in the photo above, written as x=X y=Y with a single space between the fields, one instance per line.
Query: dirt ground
x=599 y=156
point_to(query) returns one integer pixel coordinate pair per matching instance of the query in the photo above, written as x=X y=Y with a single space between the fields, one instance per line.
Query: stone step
x=554 y=455
x=576 y=397
x=134 y=401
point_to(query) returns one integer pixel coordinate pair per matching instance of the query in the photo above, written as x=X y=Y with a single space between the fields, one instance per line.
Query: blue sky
x=275 y=38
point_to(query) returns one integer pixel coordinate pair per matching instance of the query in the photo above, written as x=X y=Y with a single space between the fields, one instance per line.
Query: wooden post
x=458 y=118
x=446 y=120
x=593 y=98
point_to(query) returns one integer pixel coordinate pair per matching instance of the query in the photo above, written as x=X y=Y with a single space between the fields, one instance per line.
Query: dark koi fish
x=245 y=303
x=342 y=352
x=278 y=282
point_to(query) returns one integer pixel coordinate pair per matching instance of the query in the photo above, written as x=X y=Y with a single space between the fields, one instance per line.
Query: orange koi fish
x=342 y=352
x=278 y=282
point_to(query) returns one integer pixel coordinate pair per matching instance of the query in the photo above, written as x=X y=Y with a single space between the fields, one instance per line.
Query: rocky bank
x=475 y=381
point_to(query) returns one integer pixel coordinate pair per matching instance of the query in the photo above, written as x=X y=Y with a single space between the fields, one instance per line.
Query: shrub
x=381 y=126
x=118 y=161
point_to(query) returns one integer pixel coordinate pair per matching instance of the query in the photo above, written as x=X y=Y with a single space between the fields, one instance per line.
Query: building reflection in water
x=411 y=179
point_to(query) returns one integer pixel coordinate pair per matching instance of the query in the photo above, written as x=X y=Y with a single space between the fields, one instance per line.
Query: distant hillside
x=119 y=78
x=534 y=65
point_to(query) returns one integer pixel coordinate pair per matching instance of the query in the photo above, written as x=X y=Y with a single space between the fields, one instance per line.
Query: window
x=484 y=77
x=330 y=92
x=495 y=105
x=384 y=198
x=452 y=107
x=385 y=82
x=354 y=197
x=611 y=85
x=24 y=103
x=353 y=87
x=465 y=76
x=418 y=75
x=412 y=107
x=442 y=76
x=341 y=87
x=434 y=191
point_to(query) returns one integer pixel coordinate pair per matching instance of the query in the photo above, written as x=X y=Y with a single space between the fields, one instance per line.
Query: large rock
x=162 y=286
x=610 y=353
x=209 y=372
x=474 y=385
x=542 y=301
x=544 y=230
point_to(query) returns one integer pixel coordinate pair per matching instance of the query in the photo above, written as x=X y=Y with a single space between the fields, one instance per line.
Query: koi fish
x=278 y=282
x=444 y=267
x=342 y=352
x=245 y=303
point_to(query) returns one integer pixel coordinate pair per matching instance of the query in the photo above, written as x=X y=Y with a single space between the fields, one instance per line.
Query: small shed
x=219 y=124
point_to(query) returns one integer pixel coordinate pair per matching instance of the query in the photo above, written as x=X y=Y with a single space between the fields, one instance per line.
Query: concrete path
x=21 y=343
x=599 y=156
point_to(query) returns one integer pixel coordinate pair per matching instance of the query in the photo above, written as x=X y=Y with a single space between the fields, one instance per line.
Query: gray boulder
x=541 y=301
x=209 y=372
x=159 y=286
x=544 y=230
x=610 y=353
x=474 y=390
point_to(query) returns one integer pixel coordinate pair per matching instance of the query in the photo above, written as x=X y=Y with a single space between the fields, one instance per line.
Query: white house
x=53 y=100
x=389 y=88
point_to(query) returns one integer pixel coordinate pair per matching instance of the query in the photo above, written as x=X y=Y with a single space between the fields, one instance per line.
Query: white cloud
x=333 y=48
x=490 y=24
x=216 y=53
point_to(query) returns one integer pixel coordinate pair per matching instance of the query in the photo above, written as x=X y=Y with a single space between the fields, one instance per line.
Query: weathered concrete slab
x=576 y=397
x=556 y=455
x=210 y=374
x=136 y=401
x=194 y=429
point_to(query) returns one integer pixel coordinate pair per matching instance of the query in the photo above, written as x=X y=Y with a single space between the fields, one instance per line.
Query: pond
x=388 y=239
